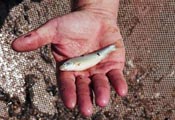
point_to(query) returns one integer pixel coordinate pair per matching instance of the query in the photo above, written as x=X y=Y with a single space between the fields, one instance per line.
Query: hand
x=73 y=35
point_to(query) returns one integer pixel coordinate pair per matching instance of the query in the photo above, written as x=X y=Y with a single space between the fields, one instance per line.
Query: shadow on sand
x=6 y=5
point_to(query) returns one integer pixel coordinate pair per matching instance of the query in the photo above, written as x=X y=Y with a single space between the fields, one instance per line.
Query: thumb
x=36 y=38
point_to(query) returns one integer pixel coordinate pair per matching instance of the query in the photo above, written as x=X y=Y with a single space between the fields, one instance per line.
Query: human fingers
x=36 y=38
x=66 y=83
x=118 y=82
x=84 y=95
x=101 y=89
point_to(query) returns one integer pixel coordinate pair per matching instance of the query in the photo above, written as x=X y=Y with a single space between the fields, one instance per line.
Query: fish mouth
x=62 y=68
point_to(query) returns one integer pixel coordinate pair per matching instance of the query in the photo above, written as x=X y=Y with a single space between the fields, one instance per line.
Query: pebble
x=11 y=70
x=130 y=63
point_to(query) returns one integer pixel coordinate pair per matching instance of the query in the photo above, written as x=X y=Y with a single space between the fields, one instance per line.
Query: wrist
x=106 y=8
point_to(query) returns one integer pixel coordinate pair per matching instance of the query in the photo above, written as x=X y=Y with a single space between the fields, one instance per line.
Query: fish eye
x=68 y=63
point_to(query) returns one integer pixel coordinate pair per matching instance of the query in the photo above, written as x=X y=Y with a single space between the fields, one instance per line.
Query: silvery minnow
x=87 y=61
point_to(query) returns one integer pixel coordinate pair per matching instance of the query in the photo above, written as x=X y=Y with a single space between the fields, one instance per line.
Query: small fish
x=85 y=62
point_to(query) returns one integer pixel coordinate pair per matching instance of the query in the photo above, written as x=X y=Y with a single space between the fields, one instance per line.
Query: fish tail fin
x=113 y=47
